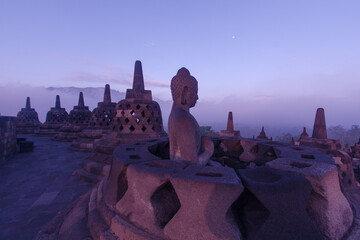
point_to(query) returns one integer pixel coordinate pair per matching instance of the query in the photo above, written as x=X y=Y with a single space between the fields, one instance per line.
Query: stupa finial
x=230 y=122
x=81 y=100
x=319 y=130
x=138 y=83
x=57 y=102
x=28 y=106
x=107 y=95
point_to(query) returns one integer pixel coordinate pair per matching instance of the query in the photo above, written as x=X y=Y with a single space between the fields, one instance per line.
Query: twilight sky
x=267 y=61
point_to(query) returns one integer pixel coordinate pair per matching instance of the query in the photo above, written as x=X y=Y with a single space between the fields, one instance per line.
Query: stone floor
x=34 y=186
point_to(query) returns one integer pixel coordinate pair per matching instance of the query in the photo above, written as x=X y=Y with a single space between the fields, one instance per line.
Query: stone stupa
x=78 y=119
x=55 y=119
x=99 y=125
x=262 y=134
x=27 y=120
x=319 y=137
x=230 y=132
x=138 y=117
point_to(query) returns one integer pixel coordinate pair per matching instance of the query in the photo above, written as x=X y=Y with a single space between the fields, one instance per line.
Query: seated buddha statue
x=186 y=142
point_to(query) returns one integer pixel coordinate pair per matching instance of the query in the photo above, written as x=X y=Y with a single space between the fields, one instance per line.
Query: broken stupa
x=27 y=120
x=168 y=188
x=137 y=117
x=99 y=124
x=230 y=132
x=77 y=120
x=55 y=119
x=319 y=137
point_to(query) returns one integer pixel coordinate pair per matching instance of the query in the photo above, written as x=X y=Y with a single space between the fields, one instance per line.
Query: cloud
x=102 y=73
x=263 y=97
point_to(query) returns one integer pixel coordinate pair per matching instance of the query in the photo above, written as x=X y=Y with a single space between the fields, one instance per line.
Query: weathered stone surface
x=230 y=132
x=186 y=143
x=327 y=206
x=116 y=184
x=206 y=195
x=274 y=206
x=150 y=200
x=7 y=137
x=27 y=120
x=345 y=169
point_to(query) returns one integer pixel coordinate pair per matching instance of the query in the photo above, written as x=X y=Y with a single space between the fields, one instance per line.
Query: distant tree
x=353 y=135
x=338 y=133
x=207 y=131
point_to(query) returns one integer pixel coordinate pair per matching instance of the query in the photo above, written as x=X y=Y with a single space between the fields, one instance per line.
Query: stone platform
x=146 y=196
x=35 y=186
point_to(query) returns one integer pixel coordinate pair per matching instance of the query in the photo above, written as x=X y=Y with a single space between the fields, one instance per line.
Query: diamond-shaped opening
x=122 y=113
x=156 y=120
x=165 y=203
x=153 y=128
x=148 y=120
x=138 y=106
x=152 y=113
x=132 y=113
x=137 y=120
x=127 y=120
x=121 y=128
x=249 y=213
x=143 y=128
x=147 y=107
x=128 y=106
x=132 y=128
x=143 y=113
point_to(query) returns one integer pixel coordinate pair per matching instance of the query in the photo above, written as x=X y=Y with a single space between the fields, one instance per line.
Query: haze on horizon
x=271 y=63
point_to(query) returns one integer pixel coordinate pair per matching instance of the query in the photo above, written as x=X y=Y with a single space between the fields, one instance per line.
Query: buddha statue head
x=184 y=89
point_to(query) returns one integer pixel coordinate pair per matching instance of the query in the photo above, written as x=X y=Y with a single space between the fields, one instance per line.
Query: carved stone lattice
x=55 y=118
x=27 y=120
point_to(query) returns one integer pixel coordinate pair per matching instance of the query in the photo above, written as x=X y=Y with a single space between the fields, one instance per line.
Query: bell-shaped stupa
x=138 y=117
x=99 y=125
x=78 y=119
x=55 y=119
x=27 y=120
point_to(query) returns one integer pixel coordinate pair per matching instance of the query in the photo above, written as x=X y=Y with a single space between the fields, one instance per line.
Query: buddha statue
x=186 y=143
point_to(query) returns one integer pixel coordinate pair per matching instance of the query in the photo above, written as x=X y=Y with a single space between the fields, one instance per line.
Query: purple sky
x=267 y=61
